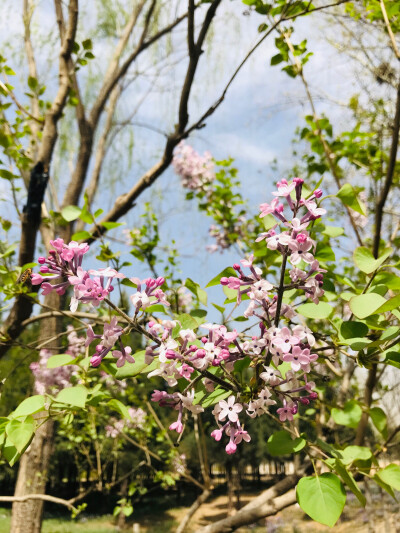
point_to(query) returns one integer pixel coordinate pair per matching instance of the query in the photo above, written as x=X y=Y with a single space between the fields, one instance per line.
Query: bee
x=25 y=276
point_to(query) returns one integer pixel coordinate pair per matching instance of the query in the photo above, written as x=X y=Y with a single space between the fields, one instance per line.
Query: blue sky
x=254 y=125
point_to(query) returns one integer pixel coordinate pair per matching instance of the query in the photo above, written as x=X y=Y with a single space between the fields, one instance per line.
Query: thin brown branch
x=8 y=91
x=192 y=509
x=43 y=497
x=268 y=503
x=194 y=56
x=389 y=29
x=102 y=145
x=115 y=74
x=390 y=171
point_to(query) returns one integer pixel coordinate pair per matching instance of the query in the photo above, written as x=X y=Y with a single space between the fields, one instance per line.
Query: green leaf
x=349 y=416
x=227 y=272
x=71 y=212
x=61 y=359
x=87 y=44
x=384 y=486
x=322 y=498
x=316 y=311
x=32 y=82
x=118 y=406
x=269 y=221
x=333 y=231
x=275 y=60
x=365 y=305
x=81 y=236
x=199 y=315
x=242 y=364
x=355 y=453
x=219 y=308
x=324 y=253
x=156 y=308
x=187 y=322
x=196 y=290
x=348 y=196
x=352 y=329
x=349 y=480
x=216 y=396
x=10 y=452
x=112 y=225
x=379 y=420
x=372 y=303
x=281 y=443
x=20 y=433
x=393 y=359
x=29 y=406
x=366 y=262
x=75 y=396
x=391 y=476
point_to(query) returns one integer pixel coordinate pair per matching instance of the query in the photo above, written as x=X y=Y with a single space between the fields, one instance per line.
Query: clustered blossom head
x=222 y=237
x=54 y=379
x=281 y=349
x=284 y=352
x=92 y=287
x=195 y=171
x=137 y=421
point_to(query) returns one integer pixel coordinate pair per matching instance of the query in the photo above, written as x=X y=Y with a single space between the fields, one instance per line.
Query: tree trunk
x=32 y=478
x=34 y=464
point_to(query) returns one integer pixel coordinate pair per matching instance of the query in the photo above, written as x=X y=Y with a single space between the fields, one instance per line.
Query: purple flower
x=229 y=409
x=123 y=356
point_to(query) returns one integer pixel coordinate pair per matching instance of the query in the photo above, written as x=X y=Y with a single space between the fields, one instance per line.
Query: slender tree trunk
x=34 y=463
x=32 y=478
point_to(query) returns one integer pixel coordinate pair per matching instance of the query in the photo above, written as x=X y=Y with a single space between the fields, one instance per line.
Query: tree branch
x=43 y=497
x=268 y=503
x=389 y=177
x=389 y=29
x=113 y=76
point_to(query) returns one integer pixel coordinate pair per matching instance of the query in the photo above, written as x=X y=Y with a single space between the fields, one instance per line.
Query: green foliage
x=281 y=443
x=322 y=498
x=366 y=262
x=349 y=196
x=349 y=416
x=315 y=311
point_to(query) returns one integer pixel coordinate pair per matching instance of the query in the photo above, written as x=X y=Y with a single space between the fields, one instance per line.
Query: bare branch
x=268 y=503
x=192 y=509
x=102 y=144
x=75 y=186
x=194 y=55
x=126 y=201
x=43 y=497
x=389 y=176
x=389 y=29
x=53 y=115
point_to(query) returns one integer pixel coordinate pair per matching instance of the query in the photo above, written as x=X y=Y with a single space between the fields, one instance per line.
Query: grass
x=87 y=524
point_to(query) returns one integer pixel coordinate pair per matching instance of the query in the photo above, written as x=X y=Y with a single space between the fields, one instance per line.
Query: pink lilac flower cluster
x=137 y=421
x=51 y=380
x=287 y=385
x=222 y=235
x=195 y=171
x=64 y=263
x=178 y=464
x=280 y=355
